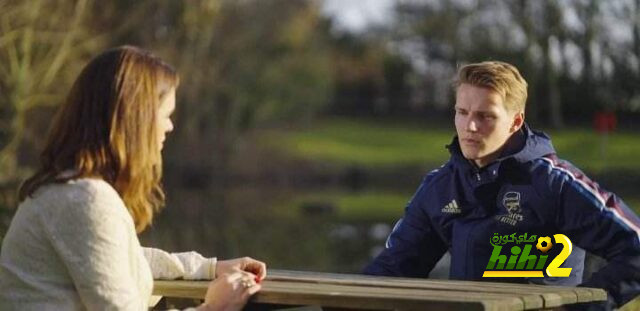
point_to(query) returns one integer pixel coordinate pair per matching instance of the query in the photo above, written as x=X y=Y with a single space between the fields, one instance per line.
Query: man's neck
x=511 y=146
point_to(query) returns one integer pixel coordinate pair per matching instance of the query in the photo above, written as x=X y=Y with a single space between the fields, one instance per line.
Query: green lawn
x=584 y=148
x=364 y=143
x=374 y=144
x=369 y=206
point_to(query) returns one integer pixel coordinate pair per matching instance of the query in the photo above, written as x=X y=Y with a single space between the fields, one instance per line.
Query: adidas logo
x=452 y=208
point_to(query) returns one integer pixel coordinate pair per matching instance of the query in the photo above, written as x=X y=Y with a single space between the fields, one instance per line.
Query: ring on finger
x=246 y=284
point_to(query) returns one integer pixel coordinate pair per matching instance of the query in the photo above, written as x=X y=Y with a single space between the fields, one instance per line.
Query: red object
x=257 y=280
x=605 y=122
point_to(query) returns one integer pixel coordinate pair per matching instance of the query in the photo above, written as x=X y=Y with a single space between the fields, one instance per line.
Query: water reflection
x=258 y=222
x=273 y=224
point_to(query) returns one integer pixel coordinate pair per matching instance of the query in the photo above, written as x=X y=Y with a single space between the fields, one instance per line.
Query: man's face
x=483 y=123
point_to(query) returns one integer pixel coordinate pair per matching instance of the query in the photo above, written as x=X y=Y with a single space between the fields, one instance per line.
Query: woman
x=72 y=244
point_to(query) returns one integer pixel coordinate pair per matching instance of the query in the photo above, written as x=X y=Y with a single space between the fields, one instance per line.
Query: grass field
x=374 y=144
x=369 y=206
x=364 y=143
x=371 y=145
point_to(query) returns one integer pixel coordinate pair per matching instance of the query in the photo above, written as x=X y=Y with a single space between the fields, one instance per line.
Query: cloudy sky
x=355 y=15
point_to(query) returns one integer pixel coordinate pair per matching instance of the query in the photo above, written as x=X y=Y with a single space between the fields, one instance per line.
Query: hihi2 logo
x=521 y=263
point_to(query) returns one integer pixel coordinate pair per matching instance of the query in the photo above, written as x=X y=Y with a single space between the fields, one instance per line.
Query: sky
x=356 y=15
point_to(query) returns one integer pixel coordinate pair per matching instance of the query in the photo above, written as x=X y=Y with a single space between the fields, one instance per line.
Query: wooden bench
x=348 y=291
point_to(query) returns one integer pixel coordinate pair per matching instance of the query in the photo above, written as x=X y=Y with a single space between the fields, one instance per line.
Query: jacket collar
x=532 y=145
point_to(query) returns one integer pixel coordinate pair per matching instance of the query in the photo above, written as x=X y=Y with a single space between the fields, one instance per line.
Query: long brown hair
x=107 y=129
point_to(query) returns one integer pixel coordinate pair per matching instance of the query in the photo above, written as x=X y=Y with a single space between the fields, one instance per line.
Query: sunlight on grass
x=381 y=144
x=366 y=144
x=361 y=206
x=585 y=149
x=376 y=145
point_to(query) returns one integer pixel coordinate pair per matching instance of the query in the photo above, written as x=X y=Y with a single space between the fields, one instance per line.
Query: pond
x=273 y=225
x=319 y=228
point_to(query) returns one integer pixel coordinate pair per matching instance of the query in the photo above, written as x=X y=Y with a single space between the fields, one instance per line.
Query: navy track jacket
x=458 y=208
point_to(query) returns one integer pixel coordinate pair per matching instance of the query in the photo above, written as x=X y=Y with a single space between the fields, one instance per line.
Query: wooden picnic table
x=349 y=291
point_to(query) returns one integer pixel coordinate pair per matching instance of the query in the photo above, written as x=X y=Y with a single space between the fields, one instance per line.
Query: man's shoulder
x=434 y=180
x=551 y=164
x=439 y=174
x=554 y=173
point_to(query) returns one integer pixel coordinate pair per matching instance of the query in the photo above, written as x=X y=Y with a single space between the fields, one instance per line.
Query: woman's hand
x=247 y=264
x=230 y=292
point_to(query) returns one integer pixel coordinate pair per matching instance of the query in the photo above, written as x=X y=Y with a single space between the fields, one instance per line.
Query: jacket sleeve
x=601 y=223
x=413 y=247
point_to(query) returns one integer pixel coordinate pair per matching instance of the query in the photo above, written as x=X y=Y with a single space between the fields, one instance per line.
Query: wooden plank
x=599 y=294
x=530 y=301
x=378 y=298
x=533 y=296
x=403 y=293
x=182 y=289
x=358 y=297
x=568 y=295
x=283 y=285
x=553 y=295
x=584 y=295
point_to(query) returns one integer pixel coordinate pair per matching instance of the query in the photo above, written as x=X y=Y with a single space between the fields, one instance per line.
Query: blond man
x=504 y=179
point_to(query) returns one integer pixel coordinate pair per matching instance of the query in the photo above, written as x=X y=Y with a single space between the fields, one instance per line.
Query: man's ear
x=518 y=121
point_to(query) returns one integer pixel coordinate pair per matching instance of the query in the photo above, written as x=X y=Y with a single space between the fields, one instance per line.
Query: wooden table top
x=353 y=291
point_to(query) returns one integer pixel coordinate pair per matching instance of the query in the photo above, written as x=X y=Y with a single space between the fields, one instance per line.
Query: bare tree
x=42 y=46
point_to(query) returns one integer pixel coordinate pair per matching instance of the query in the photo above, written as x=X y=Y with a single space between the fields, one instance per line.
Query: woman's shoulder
x=91 y=187
x=80 y=189
x=82 y=195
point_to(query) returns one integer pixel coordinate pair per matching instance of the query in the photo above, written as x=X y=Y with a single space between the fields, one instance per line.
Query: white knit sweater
x=73 y=246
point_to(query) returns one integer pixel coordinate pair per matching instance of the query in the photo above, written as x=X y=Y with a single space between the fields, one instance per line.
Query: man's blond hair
x=503 y=78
